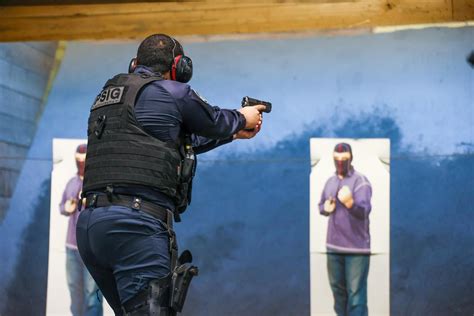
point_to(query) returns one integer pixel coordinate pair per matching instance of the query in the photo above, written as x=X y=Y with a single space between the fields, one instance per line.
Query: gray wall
x=25 y=69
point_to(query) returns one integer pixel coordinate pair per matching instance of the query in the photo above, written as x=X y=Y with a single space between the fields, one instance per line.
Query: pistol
x=248 y=101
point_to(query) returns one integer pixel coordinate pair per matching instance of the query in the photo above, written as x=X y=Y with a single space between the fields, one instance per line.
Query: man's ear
x=166 y=75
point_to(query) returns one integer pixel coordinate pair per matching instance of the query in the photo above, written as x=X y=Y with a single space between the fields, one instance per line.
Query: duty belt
x=133 y=202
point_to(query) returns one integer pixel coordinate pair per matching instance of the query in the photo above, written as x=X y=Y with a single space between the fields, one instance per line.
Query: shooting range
x=398 y=70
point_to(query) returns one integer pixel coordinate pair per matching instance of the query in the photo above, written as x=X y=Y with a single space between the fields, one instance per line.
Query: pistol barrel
x=248 y=101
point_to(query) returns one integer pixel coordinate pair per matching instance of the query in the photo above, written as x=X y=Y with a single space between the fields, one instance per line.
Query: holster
x=165 y=297
x=182 y=272
x=180 y=281
x=151 y=301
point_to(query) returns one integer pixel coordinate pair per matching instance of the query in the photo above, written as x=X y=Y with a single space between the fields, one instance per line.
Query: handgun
x=248 y=101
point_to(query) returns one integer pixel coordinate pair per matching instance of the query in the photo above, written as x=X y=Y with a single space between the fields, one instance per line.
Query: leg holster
x=153 y=300
x=165 y=297
x=181 y=279
x=182 y=271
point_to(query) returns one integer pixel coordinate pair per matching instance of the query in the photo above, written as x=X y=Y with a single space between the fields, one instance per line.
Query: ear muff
x=132 y=65
x=182 y=68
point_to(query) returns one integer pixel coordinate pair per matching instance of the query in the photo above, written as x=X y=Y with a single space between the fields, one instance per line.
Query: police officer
x=144 y=130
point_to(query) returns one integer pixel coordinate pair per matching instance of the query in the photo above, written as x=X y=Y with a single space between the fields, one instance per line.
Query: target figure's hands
x=70 y=206
x=345 y=196
x=330 y=205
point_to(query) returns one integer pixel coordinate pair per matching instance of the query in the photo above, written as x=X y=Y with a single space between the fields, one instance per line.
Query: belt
x=133 y=202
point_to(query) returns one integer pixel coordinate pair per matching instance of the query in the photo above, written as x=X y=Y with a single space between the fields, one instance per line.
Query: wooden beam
x=463 y=9
x=136 y=20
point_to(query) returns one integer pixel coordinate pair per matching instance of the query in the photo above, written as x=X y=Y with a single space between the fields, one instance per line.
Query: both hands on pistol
x=252 y=110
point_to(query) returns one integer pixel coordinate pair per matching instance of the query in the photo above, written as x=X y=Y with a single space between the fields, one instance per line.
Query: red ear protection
x=174 y=66
x=182 y=66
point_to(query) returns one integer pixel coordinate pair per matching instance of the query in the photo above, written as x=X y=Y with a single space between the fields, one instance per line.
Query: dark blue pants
x=123 y=249
x=86 y=299
x=348 y=279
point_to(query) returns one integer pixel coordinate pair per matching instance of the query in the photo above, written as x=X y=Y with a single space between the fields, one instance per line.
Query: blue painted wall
x=248 y=225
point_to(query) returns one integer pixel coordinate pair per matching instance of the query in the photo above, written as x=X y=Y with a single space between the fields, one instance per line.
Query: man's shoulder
x=331 y=179
x=360 y=177
x=358 y=174
x=177 y=90
x=74 y=181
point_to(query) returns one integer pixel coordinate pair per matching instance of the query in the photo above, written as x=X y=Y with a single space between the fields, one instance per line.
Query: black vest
x=120 y=152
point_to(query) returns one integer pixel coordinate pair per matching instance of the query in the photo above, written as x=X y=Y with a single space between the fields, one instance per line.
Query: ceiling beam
x=136 y=20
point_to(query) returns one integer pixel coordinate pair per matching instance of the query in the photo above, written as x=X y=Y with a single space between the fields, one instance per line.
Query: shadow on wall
x=248 y=228
x=26 y=294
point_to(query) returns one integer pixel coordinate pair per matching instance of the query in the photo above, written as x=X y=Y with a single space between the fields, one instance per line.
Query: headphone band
x=174 y=47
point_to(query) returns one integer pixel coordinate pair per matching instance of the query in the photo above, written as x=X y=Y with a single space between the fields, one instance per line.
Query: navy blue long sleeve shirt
x=165 y=108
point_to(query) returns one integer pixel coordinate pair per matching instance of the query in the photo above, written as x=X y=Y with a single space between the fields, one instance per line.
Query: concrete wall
x=25 y=69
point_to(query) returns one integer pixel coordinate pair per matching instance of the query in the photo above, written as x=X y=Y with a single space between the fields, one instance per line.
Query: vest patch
x=110 y=95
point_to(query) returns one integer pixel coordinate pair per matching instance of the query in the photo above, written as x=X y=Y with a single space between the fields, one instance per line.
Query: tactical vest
x=120 y=152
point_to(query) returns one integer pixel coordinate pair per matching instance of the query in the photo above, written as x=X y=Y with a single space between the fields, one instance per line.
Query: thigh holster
x=153 y=300
x=166 y=296
x=182 y=271
x=181 y=279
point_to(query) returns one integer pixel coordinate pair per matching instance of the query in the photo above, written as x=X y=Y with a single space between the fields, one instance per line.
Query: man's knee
x=336 y=272
x=357 y=301
x=94 y=299
x=357 y=295
x=357 y=279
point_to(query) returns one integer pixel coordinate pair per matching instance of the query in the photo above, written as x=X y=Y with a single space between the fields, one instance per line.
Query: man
x=82 y=288
x=144 y=131
x=346 y=200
